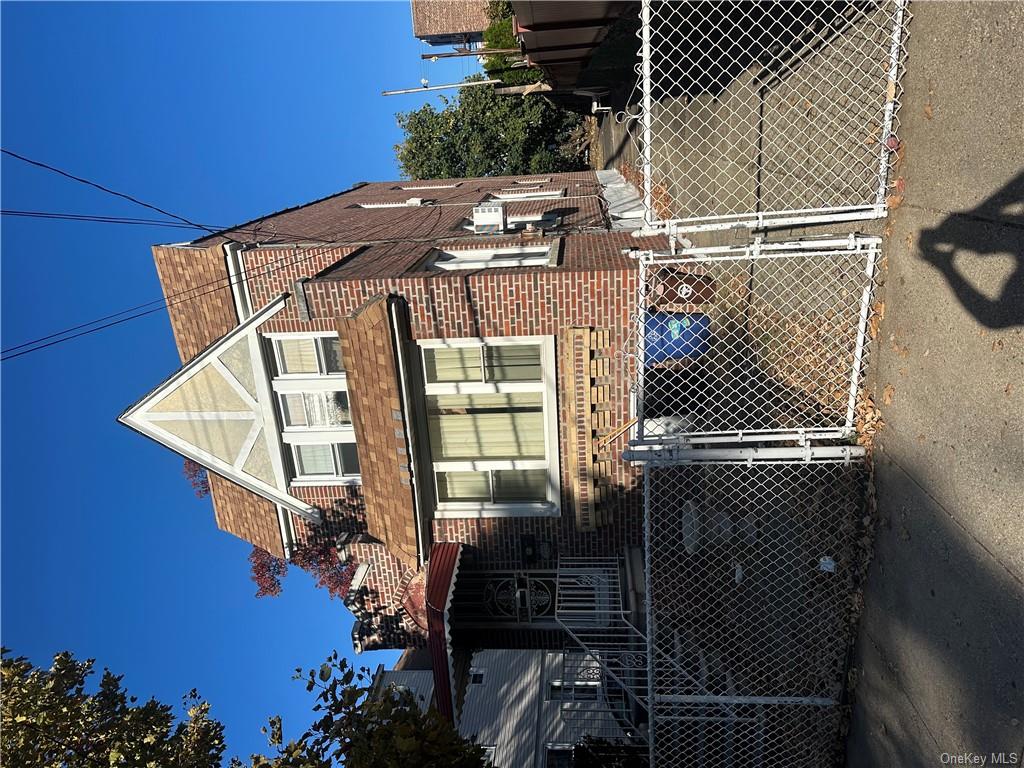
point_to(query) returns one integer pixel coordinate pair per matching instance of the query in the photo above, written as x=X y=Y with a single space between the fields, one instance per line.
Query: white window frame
x=544 y=255
x=539 y=194
x=317 y=339
x=546 y=386
x=412 y=202
x=419 y=187
x=319 y=428
x=338 y=478
x=300 y=383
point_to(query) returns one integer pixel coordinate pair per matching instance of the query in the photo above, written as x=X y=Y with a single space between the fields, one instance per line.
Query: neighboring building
x=431 y=376
x=449 y=22
x=527 y=708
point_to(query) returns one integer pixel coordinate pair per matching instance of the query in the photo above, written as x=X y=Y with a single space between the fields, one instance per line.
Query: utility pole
x=422 y=88
x=476 y=52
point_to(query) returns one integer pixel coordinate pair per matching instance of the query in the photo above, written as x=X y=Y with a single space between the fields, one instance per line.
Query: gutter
x=238 y=280
x=398 y=341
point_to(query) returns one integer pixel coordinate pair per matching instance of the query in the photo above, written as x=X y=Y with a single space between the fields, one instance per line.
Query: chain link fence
x=761 y=111
x=750 y=571
x=766 y=341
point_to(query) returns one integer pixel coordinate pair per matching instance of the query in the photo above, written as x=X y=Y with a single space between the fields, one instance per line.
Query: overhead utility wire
x=166 y=303
x=108 y=190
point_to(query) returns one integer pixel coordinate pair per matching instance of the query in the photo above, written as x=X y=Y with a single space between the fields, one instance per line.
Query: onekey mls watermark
x=980 y=758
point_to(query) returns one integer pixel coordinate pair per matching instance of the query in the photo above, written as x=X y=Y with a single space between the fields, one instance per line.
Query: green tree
x=497 y=36
x=479 y=133
x=49 y=720
x=357 y=730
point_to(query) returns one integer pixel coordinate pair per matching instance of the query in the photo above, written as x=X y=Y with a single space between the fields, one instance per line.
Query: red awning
x=441 y=572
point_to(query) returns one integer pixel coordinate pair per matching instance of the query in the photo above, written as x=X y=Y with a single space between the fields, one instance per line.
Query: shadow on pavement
x=941 y=639
x=993 y=228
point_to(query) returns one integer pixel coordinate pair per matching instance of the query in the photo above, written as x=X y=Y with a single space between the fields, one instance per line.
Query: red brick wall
x=369 y=356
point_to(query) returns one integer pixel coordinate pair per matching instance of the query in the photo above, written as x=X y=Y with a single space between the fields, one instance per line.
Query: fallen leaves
x=892 y=202
x=929 y=111
x=873 y=326
x=868 y=420
x=888 y=394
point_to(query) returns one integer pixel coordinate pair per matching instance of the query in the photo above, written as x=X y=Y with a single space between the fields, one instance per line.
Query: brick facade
x=336 y=286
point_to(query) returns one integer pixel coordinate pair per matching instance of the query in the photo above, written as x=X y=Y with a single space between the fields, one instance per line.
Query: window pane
x=315 y=459
x=297 y=355
x=332 y=355
x=445 y=365
x=327 y=409
x=498 y=426
x=463 y=486
x=349 y=459
x=517 y=362
x=520 y=485
x=294 y=411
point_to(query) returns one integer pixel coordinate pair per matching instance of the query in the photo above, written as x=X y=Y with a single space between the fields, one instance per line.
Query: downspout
x=399 y=344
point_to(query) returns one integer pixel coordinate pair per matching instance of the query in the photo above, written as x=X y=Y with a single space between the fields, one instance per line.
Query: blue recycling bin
x=676 y=336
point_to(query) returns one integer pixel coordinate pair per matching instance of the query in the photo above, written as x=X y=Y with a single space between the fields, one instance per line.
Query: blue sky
x=217 y=112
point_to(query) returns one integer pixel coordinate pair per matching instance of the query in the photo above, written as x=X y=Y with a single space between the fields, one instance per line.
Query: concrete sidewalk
x=940 y=656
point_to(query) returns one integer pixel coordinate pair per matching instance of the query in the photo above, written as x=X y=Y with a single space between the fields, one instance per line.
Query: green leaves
x=49 y=720
x=480 y=133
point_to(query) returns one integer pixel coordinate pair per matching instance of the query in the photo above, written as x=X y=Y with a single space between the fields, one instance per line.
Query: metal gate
x=750 y=568
x=759 y=342
x=760 y=113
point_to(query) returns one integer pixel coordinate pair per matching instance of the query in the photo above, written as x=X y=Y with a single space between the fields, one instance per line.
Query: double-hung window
x=312 y=399
x=489 y=407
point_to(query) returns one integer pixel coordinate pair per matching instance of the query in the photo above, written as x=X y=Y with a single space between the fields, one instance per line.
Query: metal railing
x=755 y=113
x=593 y=703
x=758 y=342
x=589 y=608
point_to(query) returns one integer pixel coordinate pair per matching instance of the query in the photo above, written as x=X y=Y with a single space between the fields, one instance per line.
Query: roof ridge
x=235 y=228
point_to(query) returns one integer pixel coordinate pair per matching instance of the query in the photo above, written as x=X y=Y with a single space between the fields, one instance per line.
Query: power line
x=84 y=329
x=102 y=188
x=98 y=219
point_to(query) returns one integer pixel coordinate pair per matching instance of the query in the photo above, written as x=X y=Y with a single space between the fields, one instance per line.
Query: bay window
x=312 y=398
x=489 y=408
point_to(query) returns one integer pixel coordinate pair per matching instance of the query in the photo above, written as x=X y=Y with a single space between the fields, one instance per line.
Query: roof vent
x=489 y=219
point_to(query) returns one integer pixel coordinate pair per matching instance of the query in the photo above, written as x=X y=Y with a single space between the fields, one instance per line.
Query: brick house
x=430 y=375
x=449 y=22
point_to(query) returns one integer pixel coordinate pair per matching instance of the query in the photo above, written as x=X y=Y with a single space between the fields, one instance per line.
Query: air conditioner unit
x=489 y=219
x=414 y=201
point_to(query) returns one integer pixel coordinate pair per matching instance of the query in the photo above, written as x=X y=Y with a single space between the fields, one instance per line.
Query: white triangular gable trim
x=141 y=418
